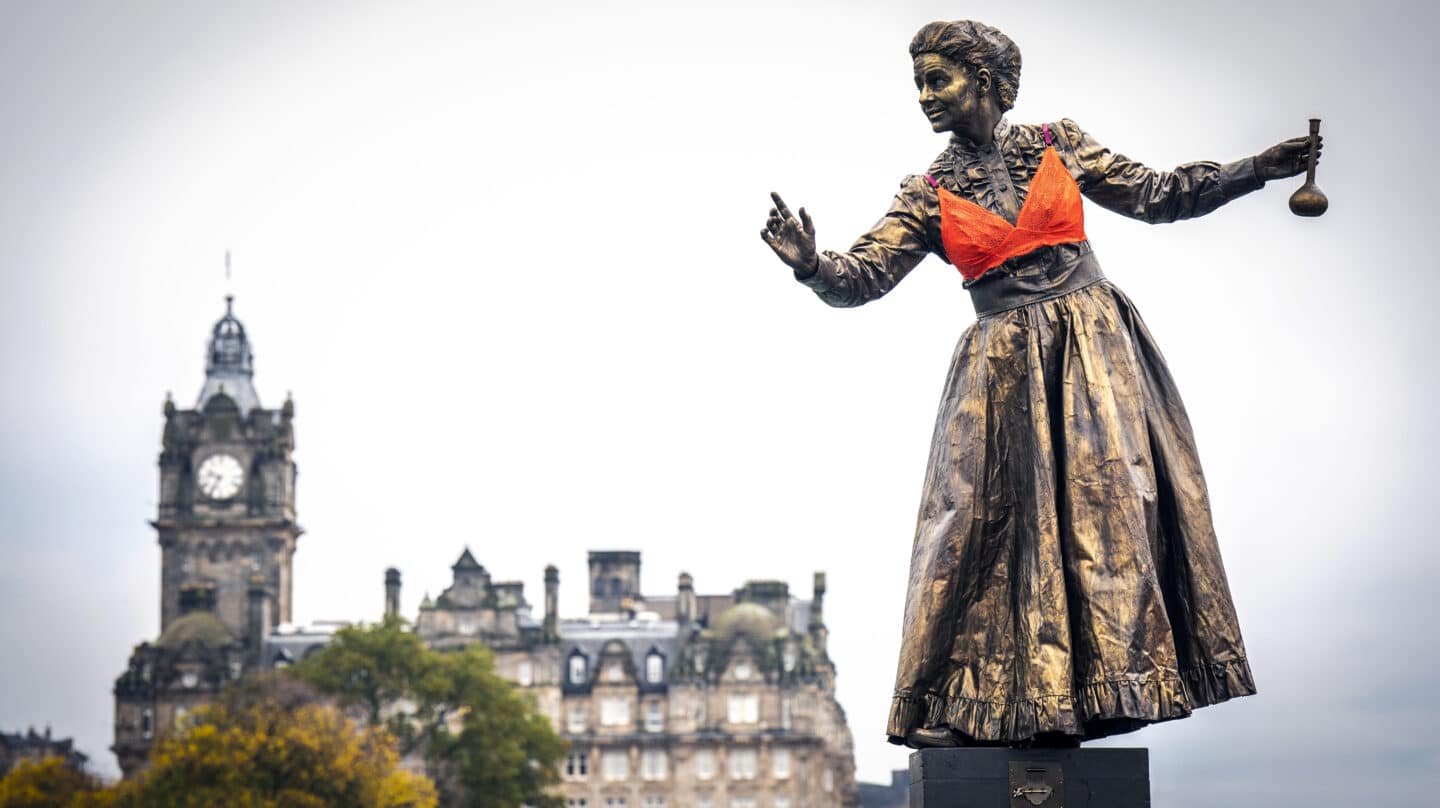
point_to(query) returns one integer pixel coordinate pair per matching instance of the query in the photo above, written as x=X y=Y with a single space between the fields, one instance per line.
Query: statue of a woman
x=1065 y=581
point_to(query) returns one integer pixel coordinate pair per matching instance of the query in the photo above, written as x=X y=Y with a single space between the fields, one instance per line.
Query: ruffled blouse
x=997 y=177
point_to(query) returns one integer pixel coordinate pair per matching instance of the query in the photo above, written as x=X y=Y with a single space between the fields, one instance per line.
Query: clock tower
x=227 y=490
x=227 y=532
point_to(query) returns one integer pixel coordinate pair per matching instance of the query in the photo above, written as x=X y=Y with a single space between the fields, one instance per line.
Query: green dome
x=197 y=627
x=750 y=620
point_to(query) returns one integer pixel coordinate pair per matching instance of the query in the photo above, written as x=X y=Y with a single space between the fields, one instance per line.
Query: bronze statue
x=1065 y=580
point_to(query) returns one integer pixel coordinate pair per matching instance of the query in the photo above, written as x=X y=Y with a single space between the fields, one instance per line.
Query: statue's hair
x=975 y=45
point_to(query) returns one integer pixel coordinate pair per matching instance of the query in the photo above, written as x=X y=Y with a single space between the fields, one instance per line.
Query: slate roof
x=638 y=637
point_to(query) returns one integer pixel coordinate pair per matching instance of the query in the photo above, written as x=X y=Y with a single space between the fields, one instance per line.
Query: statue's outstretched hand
x=1286 y=159
x=792 y=239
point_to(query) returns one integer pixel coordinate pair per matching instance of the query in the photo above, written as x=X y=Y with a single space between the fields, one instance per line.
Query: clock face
x=220 y=476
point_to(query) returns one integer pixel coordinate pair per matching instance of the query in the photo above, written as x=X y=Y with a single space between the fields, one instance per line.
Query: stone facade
x=227 y=532
x=685 y=700
x=681 y=700
x=35 y=747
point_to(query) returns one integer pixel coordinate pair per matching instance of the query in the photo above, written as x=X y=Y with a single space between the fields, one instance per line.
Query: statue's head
x=962 y=65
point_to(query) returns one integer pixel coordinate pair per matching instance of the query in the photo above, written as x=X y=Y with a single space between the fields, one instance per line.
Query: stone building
x=227 y=533
x=674 y=701
x=682 y=700
x=35 y=747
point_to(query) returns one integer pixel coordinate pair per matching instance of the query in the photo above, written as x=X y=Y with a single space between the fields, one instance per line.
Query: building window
x=654 y=716
x=781 y=802
x=577 y=765
x=742 y=764
x=525 y=673
x=789 y=659
x=787 y=711
x=575 y=721
x=653 y=802
x=780 y=763
x=742 y=802
x=577 y=670
x=704 y=764
x=614 y=712
x=147 y=724
x=614 y=802
x=742 y=671
x=614 y=672
x=652 y=764
x=654 y=669
x=744 y=708
x=704 y=801
x=580 y=803
x=615 y=765
x=827 y=780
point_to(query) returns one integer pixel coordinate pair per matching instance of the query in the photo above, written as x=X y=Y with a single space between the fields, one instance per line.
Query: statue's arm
x=880 y=258
x=1117 y=183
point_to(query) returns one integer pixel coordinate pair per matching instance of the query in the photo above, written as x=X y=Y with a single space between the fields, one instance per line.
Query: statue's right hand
x=792 y=239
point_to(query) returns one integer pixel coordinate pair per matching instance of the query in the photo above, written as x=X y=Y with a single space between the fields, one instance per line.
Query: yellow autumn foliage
x=51 y=783
x=271 y=754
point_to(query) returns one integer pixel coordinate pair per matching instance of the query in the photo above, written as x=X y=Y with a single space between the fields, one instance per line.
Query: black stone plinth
x=1030 y=778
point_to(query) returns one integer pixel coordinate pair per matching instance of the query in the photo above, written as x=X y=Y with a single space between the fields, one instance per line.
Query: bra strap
x=1046 y=127
x=931 y=180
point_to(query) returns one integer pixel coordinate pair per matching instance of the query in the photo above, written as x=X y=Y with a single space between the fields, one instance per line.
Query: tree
x=482 y=740
x=51 y=783
x=270 y=742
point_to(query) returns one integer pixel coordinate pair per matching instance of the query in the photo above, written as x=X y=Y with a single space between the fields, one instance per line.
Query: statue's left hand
x=1286 y=159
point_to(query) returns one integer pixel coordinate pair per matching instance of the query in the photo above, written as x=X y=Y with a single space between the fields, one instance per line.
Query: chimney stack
x=552 y=604
x=685 y=601
x=817 y=613
x=392 y=592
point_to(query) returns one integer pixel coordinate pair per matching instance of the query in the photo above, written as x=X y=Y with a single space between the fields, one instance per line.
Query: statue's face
x=948 y=93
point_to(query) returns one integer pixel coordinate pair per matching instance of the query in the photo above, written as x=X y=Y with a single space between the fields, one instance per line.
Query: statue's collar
x=1002 y=130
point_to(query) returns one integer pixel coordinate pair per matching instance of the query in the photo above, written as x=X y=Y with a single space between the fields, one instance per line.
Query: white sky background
x=508 y=263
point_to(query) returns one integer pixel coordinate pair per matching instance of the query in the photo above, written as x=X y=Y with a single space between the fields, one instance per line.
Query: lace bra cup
x=978 y=240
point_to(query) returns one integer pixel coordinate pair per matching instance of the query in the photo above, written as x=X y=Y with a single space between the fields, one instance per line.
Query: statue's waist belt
x=1045 y=274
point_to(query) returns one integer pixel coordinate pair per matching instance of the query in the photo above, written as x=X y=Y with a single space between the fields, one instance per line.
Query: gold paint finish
x=1065 y=579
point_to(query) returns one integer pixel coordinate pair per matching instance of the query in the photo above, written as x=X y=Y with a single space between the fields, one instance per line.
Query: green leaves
x=483 y=741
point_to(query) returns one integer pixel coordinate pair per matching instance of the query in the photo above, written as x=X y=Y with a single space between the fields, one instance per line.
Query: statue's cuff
x=803 y=275
x=1239 y=178
x=821 y=278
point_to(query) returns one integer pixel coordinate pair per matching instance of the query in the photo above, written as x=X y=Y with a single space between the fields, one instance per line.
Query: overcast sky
x=508 y=263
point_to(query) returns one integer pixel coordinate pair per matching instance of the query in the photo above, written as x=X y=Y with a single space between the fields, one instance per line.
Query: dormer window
x=654 y=668
x=742 y=671
x=577 y=669
x=614 y=672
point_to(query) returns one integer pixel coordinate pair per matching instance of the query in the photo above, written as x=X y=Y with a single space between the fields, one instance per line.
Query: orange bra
x=977 y=240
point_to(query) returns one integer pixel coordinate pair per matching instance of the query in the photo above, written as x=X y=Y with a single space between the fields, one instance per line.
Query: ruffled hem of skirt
x=1104 y=708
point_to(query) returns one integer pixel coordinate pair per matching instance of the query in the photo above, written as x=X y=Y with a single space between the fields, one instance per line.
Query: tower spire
x=229 y=363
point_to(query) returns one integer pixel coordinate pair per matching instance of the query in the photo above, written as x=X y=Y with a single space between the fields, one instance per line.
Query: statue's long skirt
x=1065 y=576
